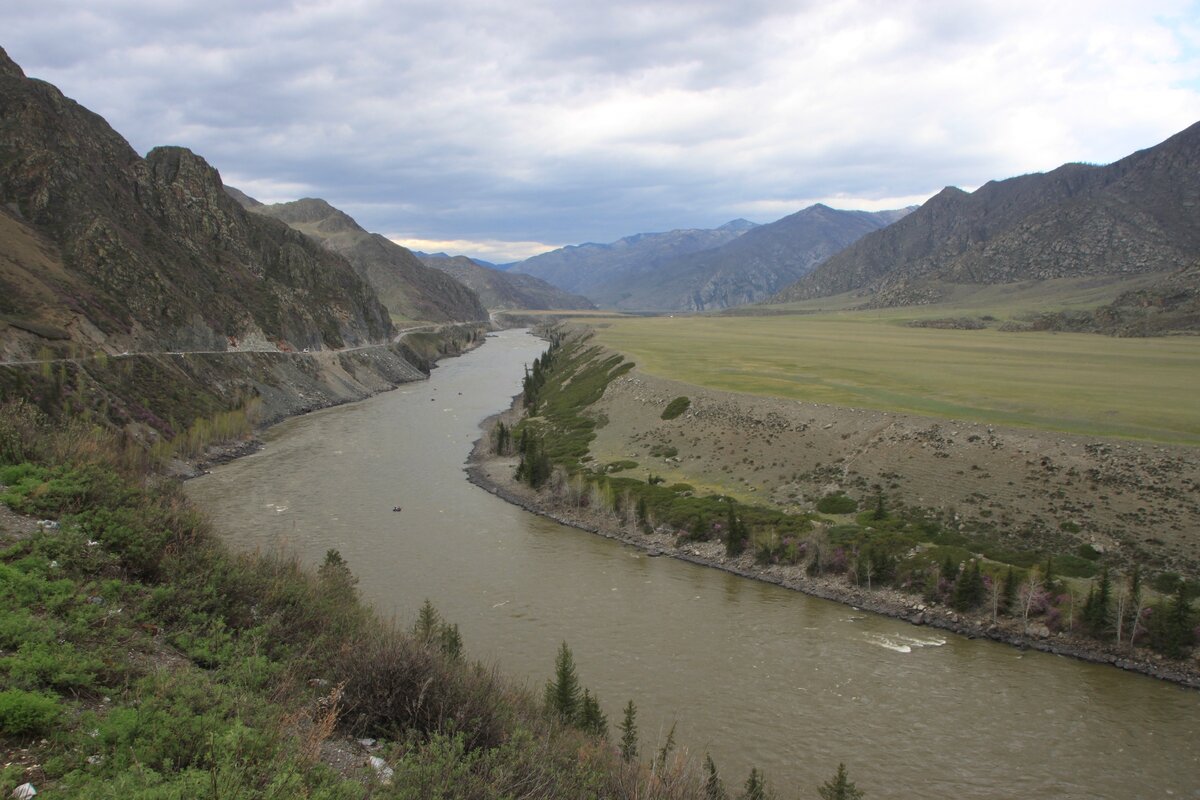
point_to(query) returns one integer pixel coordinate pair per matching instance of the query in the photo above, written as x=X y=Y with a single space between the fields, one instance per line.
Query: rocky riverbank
x=496 y=475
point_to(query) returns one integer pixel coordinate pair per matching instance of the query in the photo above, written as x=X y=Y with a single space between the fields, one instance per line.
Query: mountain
x=1134 y=216
x=755 y=265
x=506 y=291
x=597 y=270
x=409 y=289
x=114 y=251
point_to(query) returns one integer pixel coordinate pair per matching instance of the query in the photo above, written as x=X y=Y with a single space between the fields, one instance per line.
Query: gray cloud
x=566 y=121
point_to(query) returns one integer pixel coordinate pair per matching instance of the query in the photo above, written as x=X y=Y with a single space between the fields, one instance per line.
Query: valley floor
x=1031 y=490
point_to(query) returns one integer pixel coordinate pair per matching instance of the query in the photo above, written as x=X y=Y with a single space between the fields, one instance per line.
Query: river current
x=752 y=673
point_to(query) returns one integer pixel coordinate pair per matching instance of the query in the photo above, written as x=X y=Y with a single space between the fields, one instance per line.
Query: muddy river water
x=752 y=673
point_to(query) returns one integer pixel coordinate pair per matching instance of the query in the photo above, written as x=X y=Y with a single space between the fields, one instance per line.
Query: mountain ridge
x=410 y=289
x=1128 y=217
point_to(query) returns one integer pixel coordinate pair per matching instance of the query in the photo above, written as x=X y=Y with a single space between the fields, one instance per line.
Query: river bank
x=496 y=474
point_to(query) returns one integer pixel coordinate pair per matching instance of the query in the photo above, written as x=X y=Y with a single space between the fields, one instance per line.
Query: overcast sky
x=500 y=129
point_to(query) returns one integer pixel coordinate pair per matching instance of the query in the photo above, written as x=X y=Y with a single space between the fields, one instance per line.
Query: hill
x=508 y=291
x=596 y=270
x=1134 y=216
x=410 y=289
x=108 y=250
x=755 y=265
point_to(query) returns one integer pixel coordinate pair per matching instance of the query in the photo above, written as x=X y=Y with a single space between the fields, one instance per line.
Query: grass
x=1077 y=383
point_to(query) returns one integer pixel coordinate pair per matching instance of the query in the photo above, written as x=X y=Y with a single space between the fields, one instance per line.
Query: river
x=755 y=674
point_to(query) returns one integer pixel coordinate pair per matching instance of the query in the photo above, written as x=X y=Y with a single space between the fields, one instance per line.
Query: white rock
x=381 y=768
x=24 y=791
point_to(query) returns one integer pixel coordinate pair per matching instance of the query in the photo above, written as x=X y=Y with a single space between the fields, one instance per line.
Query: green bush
x=23 y=713
x=676 y=407
x=837 y=504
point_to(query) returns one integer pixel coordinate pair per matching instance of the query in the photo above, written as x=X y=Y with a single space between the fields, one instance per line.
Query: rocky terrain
x=506 y=291
x=111 y=251
x=410 y=289
x=1134 y=216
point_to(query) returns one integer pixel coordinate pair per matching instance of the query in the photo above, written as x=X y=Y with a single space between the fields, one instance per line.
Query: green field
x=1081 y=383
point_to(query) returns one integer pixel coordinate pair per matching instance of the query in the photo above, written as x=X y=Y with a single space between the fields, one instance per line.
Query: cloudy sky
x=500 y=129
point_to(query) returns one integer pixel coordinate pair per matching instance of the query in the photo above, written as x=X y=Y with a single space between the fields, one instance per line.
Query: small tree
x=756 y=788
x=713 y=788
x=665 y=752
x=335 y=575
x=562 y=693
x=840 y=788
x=629 y=735
x=428 y=623
x=591 y=718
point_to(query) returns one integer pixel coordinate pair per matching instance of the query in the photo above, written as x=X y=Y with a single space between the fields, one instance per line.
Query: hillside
x=104 y=249
x=755 y=265
x=596 y=270
x=1134 y=216
x=508 y=291
x=410 y=290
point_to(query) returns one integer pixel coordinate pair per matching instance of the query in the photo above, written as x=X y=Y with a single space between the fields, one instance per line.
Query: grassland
x=1080 y=383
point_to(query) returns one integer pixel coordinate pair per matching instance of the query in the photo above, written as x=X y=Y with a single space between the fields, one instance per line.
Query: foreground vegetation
x=1088 y=384
x=141 y=659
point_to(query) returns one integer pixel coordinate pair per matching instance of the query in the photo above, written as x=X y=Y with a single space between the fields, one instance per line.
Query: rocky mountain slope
x=410 y=289
x=104 y=248
x=601 y=271
x=1135 y=216
x=754 y=266
x=507 y=291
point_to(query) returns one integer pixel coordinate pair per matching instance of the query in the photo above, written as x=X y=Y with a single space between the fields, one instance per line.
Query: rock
x=1039 y=631
x=24 y=792
x=382 y=770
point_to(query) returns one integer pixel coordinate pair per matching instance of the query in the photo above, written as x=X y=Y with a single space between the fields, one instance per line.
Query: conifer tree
x=840 y=788
x=667 y=747
x=713 y=788
x=562 y=693
x=428 y=623
x=451 y=641
x=591 y=718
x=629 y=735
x=1010 y=591
x=756 y=788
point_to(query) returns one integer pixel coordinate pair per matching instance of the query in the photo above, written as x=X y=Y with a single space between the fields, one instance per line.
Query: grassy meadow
x=1081 y=383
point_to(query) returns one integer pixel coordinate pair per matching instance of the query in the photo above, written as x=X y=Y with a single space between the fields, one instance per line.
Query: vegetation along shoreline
x=596 y=498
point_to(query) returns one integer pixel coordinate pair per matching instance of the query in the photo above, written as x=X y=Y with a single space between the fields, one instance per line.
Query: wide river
x=755 y=674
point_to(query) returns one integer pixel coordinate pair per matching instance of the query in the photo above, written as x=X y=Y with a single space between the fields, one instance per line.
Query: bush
x=837 y=504
x=676 y=407
x=23 y=713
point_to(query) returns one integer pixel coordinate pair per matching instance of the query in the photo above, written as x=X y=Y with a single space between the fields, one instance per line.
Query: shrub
x=23 y=713
x=676 y=407
x=837 y=504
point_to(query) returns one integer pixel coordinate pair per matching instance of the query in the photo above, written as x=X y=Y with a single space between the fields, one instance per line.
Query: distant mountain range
x=113 y=251
x=755 y=265
x=698 y=269
x=505 y=291
x=609 y=273
x=1139 y=215
x=410 y=289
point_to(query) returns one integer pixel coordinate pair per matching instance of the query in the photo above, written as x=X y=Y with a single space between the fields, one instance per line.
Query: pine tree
x=562 y=693
x=880 y=512
x=629 y=735
x=591 y=718
x=428 y=623
x=968 y=589
x=736 y=534
x=667 y=747
x=756 y=789
x=713 y=788
x=451 y=641
x=840 y=788
x=1010 y=591
x=335 y=575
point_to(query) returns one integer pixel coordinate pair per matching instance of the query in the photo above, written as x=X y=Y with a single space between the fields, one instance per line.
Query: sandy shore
x=726 y=415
